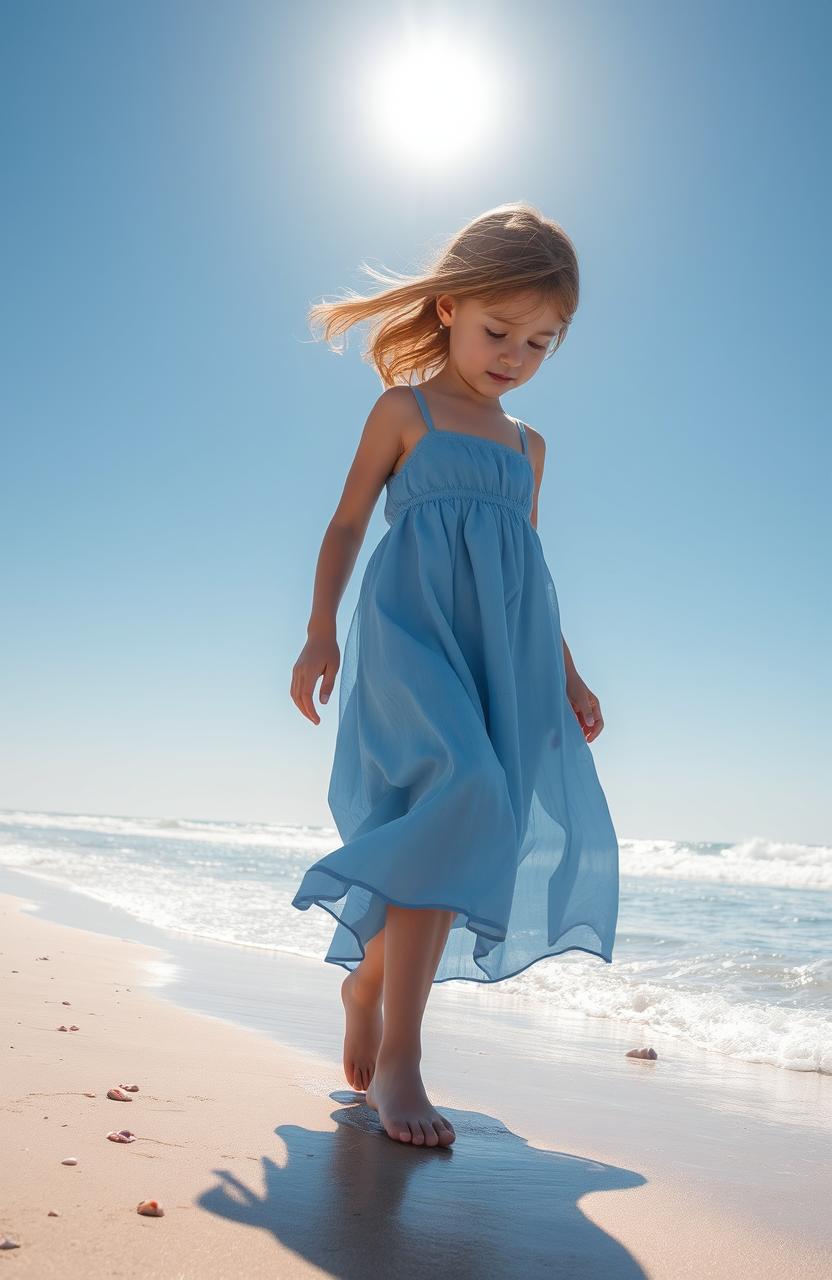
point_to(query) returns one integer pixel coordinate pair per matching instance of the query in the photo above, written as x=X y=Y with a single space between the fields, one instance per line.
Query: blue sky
x=181 y=180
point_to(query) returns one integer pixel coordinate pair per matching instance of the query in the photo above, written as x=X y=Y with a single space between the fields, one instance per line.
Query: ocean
x=724 y=946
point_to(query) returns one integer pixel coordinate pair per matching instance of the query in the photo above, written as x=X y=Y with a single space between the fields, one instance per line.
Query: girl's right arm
x=379 y=447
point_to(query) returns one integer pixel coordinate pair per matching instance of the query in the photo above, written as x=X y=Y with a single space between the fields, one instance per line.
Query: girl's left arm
x=583 y=701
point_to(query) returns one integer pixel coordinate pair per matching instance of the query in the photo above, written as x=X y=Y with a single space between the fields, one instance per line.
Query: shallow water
x=723 y=946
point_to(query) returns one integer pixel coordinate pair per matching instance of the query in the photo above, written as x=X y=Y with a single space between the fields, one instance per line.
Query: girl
x=477 y=839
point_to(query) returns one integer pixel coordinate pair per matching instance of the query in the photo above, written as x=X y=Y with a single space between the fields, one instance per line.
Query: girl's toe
x=446 y=1132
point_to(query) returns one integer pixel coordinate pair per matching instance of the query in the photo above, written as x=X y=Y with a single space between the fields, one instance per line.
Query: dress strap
x=423 y=406
x=521 y=427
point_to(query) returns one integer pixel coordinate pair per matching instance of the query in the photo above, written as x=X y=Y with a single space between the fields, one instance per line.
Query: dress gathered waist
x=472 y=495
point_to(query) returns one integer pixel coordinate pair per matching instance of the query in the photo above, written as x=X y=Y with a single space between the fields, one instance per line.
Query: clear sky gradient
x=182 y=179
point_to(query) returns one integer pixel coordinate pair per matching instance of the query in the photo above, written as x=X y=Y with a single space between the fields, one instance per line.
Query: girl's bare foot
x=396 y=1092
x=362 y=1006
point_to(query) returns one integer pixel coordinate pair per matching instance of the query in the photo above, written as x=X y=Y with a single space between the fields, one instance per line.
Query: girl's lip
x=500 y=377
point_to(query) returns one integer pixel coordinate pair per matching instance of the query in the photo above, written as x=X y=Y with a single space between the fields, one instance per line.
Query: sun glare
x=433 y=98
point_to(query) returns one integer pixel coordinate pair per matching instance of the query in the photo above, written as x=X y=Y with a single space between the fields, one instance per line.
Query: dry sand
x=261 y=1175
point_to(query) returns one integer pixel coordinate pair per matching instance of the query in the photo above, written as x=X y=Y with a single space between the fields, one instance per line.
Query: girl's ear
x=444 y=309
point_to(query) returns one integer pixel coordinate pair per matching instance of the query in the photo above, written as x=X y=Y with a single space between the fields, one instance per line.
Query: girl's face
x=508 y=338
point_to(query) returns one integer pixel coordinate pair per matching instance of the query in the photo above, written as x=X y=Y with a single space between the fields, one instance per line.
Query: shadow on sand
x=356 y=1203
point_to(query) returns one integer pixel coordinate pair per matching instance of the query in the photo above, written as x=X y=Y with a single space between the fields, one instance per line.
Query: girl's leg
x=361 y=993
x=414 y=941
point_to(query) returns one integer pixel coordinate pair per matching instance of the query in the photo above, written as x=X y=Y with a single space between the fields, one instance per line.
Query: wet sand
x=570 y=1159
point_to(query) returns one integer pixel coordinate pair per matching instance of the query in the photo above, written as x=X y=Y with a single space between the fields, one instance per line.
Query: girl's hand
x=585 y=705
x=319 y=656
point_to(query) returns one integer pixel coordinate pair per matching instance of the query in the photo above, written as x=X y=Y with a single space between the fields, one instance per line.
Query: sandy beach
x=570 y=1158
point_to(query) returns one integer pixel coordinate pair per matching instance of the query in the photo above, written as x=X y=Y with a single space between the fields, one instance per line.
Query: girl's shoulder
x=393 y=401
x=537 y=443
x=537 y=448
x=398 y=399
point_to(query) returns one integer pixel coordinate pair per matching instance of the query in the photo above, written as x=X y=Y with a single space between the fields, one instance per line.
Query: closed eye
x=536 y=345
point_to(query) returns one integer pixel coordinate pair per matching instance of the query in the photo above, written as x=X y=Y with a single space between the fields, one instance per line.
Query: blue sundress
x=461 y=777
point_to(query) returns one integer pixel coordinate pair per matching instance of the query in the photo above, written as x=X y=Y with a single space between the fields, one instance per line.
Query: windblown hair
x=505 y=251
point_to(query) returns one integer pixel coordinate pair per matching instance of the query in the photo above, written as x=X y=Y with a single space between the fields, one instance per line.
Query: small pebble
x=89 y=1095
x=121 y=1135
x=118 y=1095
x=131 y=1088
x=41 y=957
x=74 y=1028
x=6 y=1242
x=70 y=1160
x=64 y=1002
x=150 y=1208
x=63 y=1028
x=53 y=1214
x=641 y=1053
x=15 y=971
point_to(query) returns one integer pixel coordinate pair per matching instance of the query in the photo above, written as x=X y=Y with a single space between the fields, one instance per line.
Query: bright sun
x=432 y=98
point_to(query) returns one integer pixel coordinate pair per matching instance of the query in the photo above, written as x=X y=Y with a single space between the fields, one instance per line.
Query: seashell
x=6 y=1242
x=118 y=1095
x=132 y=1088
x=121 y=1135
x=641 y=1053
x=150 y=1208
x=70 y=1160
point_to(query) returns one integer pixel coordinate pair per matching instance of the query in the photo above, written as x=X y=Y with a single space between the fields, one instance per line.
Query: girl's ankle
x=398 y=1057
x=364 y=989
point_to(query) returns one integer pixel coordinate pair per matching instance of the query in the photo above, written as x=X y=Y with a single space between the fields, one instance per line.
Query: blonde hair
x=504 y=251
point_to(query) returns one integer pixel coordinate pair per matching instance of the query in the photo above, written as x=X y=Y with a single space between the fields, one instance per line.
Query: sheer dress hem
x=471 y=923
